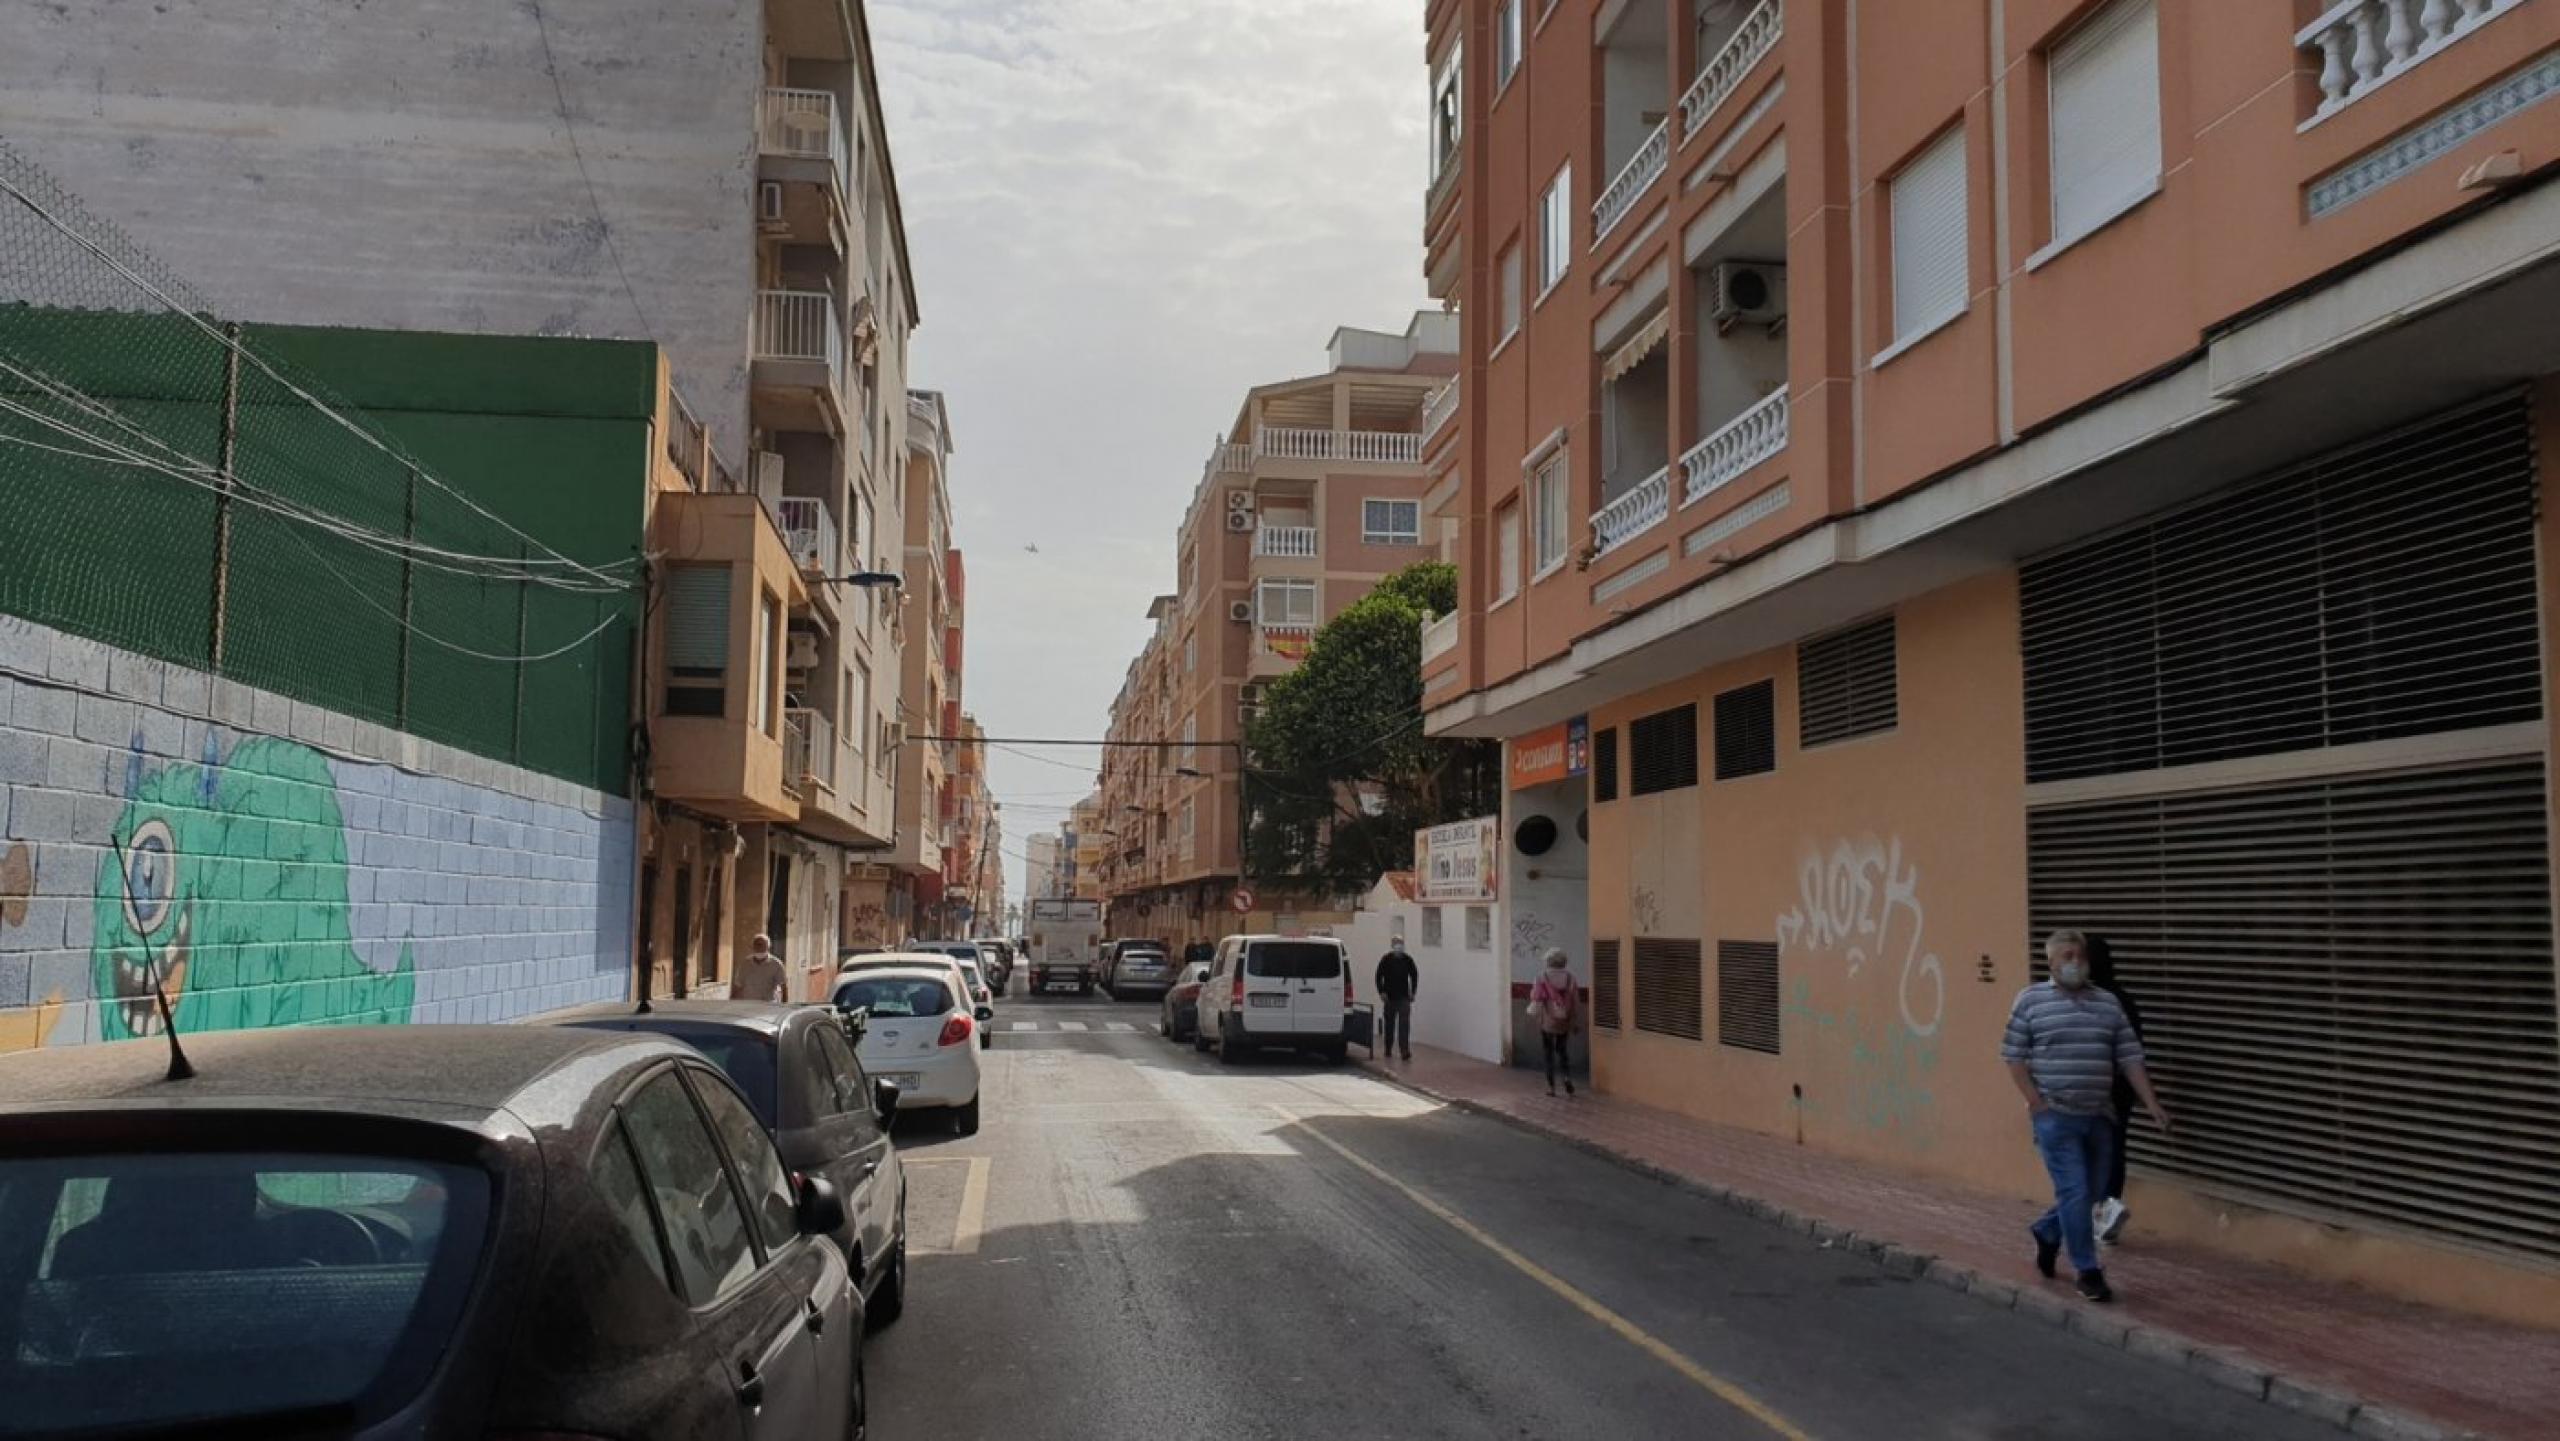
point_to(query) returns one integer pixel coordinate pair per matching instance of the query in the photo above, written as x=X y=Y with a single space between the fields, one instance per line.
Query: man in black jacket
x=1399 y=981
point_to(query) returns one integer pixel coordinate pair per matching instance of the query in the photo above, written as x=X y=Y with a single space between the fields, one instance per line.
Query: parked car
x=915 y=1035
x=796 y=1067
x=971 y=961
x=1277 y=991
x=1181 y=1019
x=1137 y=973
x=999 y=956
x=378 y=1231
x=981 y=1002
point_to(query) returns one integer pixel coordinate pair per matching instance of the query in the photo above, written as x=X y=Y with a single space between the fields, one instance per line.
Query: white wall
x=1465 y=994
x=1549 y=898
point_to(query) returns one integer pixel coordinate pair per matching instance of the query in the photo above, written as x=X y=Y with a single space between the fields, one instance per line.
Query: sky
x=1121 y=214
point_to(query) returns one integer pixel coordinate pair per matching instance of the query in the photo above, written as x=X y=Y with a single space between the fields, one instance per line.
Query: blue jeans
x=2077 y=1151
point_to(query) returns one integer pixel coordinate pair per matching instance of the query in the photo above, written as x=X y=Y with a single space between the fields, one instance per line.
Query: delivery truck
x=1066 y=944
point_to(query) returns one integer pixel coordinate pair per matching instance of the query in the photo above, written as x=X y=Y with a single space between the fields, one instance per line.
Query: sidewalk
x=2372 y=1364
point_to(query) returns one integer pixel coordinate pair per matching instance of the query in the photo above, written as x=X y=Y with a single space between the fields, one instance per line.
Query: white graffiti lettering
x=1857 y=900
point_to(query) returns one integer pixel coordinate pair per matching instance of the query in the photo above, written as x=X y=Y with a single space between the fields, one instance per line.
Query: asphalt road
x=1142 y=1243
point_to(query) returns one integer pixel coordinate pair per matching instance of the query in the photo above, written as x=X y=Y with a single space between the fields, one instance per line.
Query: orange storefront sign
x=1556 y=753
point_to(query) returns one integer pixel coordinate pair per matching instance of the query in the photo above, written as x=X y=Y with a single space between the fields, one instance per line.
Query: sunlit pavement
x=1142 y=1242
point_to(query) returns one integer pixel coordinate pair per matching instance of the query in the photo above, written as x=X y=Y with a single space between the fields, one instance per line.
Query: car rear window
x=1294 y=961
x=895 y=995
x=174 y=1289
x=746 y=1056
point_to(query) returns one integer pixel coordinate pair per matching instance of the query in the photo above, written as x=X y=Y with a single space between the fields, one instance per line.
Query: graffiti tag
x=1860 y=899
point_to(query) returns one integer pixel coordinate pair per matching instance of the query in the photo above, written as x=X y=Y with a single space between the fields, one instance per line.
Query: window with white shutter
x=1506 y=42
x=2103 y=117
x=1928 y=218
x=1506 y=557
x=1548 y=491
x=697 y=639
x=1555 y=230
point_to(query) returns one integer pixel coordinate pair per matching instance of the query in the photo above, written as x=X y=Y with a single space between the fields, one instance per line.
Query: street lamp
x=889 y=578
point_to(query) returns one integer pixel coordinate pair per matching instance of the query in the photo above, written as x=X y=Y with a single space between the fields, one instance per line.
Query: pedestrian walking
x=1553 y=999
x=760 y=976
x=2066 y=1043
x=1399 y=982
x=2113 y=1213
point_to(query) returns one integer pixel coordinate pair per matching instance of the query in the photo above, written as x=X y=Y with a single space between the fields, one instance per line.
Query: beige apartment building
x=1928 y=474
x=907 y=896
x=1314 y=493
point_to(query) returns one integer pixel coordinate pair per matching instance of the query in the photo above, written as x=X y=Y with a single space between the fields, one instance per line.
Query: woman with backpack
x=1553 y=999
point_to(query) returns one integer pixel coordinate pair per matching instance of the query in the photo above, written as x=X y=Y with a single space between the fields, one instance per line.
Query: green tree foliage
x=1340 y=774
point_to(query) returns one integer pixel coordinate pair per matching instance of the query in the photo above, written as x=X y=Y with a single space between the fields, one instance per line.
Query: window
x=1288 y=602
x=1662 y=751
x=697 y=639
x=1191 y=739
x=1294 y=960
x=1604 y=766
x=1845 y=683
x=1548 y=492
x=1506 y=42
x=1479 y=928
x=1930 y=283
x=1555 y=230
x=1190 y=651
x=1435 y=927
x=1391 y=522
x=1508 y=267
x=616 y=1178
x=1506 y=554
x=1604 y=984
x=759 y=1166
x=2103 y=117
x=858 y=719
x=1446 y=114
x=706 y=1227
x=768 y=635
x=1747 y=731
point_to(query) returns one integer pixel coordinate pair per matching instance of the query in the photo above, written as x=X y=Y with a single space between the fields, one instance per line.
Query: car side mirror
x=856 y=1020
x=884 y=1101
x=821 y=1209
x=986 y=1013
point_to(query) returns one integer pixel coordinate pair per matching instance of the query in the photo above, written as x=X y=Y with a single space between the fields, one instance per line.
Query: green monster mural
x=231 y=876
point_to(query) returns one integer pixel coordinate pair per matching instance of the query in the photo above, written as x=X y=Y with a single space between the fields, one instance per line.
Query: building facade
x=1043 y=872
x=927 y=800
x=1928 y=475
x=1313 y=495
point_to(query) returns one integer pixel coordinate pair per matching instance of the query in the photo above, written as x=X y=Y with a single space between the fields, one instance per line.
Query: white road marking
x=1025 y=1026
x=1071 y=1025
x=1118 y=1026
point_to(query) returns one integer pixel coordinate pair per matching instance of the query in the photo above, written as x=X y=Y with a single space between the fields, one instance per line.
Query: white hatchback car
x=1266 y=991
x=917 y=1029
x=972 y=984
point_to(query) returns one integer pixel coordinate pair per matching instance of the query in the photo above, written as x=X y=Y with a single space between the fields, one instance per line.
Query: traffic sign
x=1242 y=900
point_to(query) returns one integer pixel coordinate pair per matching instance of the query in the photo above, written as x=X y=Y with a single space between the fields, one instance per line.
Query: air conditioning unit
x=1239 y=500
x=1247 y=712
x=769 y=202
x=1747 y=292
x=1240 y=611
x=1240 y=521
x=803 y=654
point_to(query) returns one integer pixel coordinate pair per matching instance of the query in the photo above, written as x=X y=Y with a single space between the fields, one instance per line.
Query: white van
x=1292 y=991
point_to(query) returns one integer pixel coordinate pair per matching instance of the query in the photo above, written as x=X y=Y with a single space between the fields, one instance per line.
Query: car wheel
x=1199 y=1038
x=986 y=1039
x=857 y=1417
x=1231 y=1049
x=1164 y=1024
x=964 y=1119
x=1337 y=1053
x=891 y=1299
x=1084 y=989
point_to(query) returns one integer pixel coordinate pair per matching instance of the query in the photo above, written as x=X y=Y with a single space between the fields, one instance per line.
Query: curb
x=2221 y=1365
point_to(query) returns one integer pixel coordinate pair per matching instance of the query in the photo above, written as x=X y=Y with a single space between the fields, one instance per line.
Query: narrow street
x=1142 y=1242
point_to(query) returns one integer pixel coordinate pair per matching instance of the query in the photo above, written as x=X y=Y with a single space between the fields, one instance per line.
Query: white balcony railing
x=1384 y=447
x=816 y=756
x=1226 y=458
x=800 y=124
x=1739 y=444
x=2362 y=43
x=1292 y=542
x=1439 y=637
x=810 y=533
x=1753 y=39
x=1634 y=179
x=1438 y=408
x=1632 y=514
x=1284 y=640
x=799 y=325
x=795 y=750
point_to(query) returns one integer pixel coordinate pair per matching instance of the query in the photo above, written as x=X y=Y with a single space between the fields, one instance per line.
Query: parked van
x=1276 y=991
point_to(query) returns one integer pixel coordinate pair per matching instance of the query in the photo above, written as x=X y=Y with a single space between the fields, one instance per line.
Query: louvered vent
x=1604 y=766
x=1668 y=982
x=1747 y=730
x=1662 y=751
x=1747 y=995
x=2385 y=590
x=1604 y=984
x=1845 y=683
x=2346 y=987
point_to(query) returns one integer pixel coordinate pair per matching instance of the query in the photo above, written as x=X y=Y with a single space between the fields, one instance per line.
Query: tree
x=1338 y=772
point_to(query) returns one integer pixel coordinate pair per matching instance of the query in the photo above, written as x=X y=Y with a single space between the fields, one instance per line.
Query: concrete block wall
x=281 y=864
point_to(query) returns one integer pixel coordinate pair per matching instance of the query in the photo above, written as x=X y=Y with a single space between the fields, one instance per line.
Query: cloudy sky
x=1121 y=214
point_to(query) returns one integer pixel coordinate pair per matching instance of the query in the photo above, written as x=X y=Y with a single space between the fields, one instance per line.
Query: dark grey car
x=432 y=1231
x=798 y=1068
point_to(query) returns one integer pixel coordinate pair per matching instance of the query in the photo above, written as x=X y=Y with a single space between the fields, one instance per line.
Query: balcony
x=1741 y=443
x=795 y=753
x=801 y=125
x=1278 y=646
x=1439 y=637
x=1288 y=542
x=1373 y=447
x=2360 y=45
x=798 y=349
x=707 y=749
x=1750 y=42
x=1633 y=179
x=809 y=532
x=1643 y=507
x=1438 y=408
x=688 y=443
x=813 y=756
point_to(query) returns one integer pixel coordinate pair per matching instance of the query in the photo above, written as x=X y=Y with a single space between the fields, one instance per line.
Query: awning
x=1630 y=355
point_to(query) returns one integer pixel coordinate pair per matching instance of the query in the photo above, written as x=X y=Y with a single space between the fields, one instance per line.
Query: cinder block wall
x=280 y=863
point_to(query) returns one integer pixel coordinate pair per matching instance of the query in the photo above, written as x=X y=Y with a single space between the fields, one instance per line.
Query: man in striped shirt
x=2065 y=1043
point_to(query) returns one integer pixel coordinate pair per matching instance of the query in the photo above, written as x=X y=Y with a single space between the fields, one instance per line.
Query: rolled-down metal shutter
x=1669 y=988
x=698 y=619
x=1604 y=984
x=1747 y=995
x=1845 y=683
x=2346 y=987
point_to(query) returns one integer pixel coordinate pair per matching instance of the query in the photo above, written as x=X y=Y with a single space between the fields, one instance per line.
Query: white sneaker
x=2110 y=1218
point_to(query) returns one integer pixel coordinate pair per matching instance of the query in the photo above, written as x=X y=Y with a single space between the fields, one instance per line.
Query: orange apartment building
x=1313 y=494
x=908 y=899
x=1925 y=475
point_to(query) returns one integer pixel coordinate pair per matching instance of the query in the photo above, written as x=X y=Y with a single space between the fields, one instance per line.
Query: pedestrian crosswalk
x=1071 y=1026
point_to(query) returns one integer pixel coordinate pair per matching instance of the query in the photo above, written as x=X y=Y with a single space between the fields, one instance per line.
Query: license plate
x=1268 y=1000
x=902 y=1079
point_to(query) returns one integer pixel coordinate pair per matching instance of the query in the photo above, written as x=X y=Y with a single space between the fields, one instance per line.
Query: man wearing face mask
x=2066 y=1042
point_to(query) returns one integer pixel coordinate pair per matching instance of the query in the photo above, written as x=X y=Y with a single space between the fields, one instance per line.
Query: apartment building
x=1083 y=843
x=927 y=802
x=712 y=177
x=1314 y=493
x=1043 y=867
x=1930 y=474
